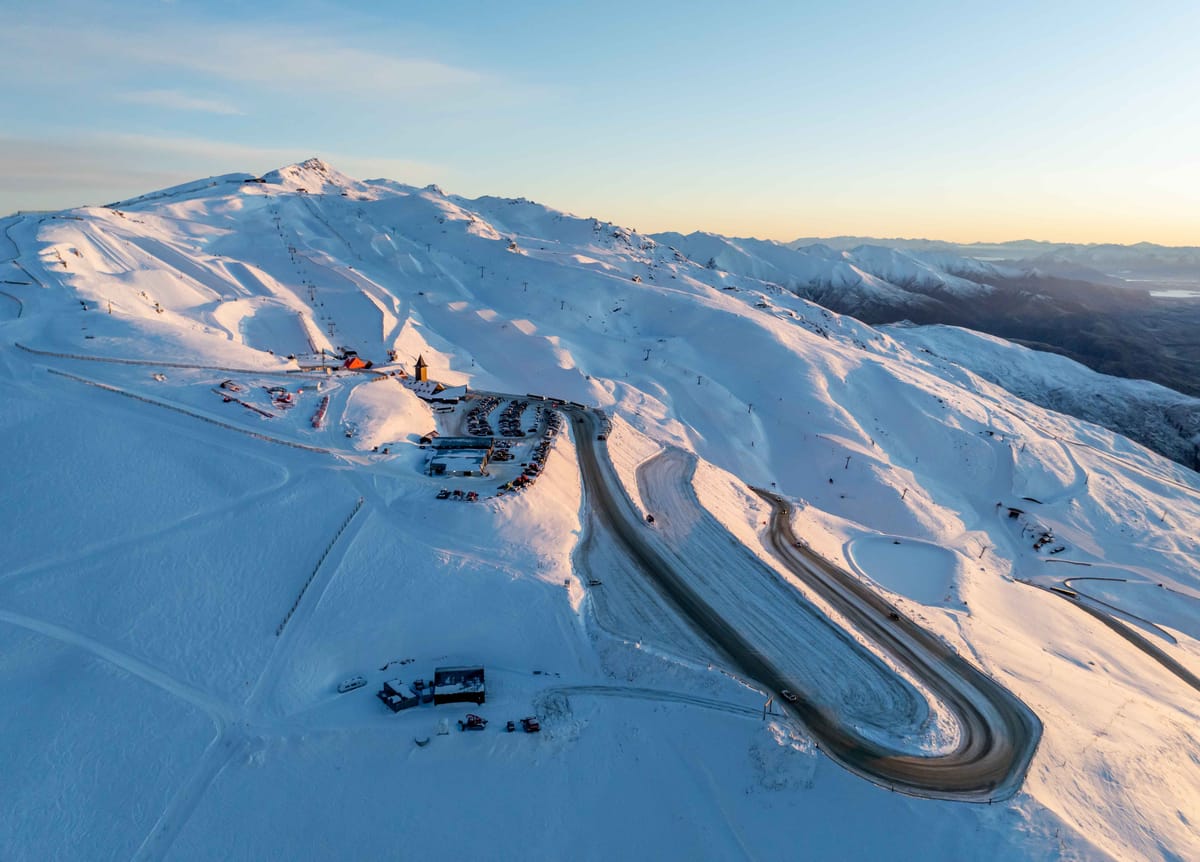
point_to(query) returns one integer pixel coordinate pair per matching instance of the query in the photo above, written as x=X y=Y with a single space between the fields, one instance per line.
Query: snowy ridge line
x=187 y=412
x=325 y=553
x=20 y=305
x=158 y=196
x=1109 y=455
x=149 y=363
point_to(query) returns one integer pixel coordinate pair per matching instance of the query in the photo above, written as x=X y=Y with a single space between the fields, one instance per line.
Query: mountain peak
x=313 y=175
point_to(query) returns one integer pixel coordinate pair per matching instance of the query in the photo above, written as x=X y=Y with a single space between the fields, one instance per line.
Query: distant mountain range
x=1096 y=304
x=1118 y=264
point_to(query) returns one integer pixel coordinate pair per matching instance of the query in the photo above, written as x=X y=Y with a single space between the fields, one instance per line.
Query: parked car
x=351 y=684
x=789 y=696
x=443 y=494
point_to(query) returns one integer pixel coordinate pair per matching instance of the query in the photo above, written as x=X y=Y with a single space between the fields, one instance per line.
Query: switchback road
x=998 y=734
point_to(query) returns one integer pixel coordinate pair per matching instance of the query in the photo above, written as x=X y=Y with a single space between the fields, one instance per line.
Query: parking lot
x=528 y=429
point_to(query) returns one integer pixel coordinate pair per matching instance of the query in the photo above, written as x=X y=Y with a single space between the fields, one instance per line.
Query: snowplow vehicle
x=472 y=722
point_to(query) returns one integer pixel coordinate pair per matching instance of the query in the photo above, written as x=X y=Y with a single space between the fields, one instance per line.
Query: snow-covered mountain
x=1155 y=416
x=1139 y=262
x=1127 y=311
x=206 y=532
x=862 y=279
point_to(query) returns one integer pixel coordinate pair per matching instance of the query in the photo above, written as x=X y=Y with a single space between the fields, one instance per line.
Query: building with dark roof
x=458 y=685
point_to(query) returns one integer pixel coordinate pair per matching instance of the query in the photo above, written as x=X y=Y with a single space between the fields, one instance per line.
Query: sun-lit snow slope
x=1157 y=417
x=876 y=444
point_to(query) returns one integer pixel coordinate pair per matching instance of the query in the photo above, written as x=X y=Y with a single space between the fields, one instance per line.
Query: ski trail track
x=311 y=600
x=218 y=710
x=225 y=747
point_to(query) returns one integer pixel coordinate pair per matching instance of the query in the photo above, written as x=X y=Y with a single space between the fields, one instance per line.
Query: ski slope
x=159 y=535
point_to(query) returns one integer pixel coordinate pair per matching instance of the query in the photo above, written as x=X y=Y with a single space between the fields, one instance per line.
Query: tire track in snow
x=217 y=710
x=220 y=752
x=20 y=304
x=264 y=372
x=636 y=693
x=194 y=415
x=111 y=545
x=13 y=222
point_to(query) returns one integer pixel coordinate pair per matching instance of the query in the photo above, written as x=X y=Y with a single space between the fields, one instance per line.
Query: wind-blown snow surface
x=151 y=556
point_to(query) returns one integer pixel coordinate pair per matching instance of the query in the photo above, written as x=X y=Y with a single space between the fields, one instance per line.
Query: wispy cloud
x=289 y=59
x=317 y=63
x=176 y=100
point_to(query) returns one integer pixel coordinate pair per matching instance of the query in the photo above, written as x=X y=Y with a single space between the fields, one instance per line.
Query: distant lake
x=1176 y=294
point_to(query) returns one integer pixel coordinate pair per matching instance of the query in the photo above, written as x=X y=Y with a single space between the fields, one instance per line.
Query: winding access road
x=1096 y=608
x=998 y=734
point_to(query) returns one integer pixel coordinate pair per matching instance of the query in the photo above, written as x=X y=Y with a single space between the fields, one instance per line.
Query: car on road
x=789 y=696
x=351 y=684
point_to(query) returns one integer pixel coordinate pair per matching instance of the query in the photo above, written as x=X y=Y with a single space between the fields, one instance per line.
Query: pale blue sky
x=1066 y=120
